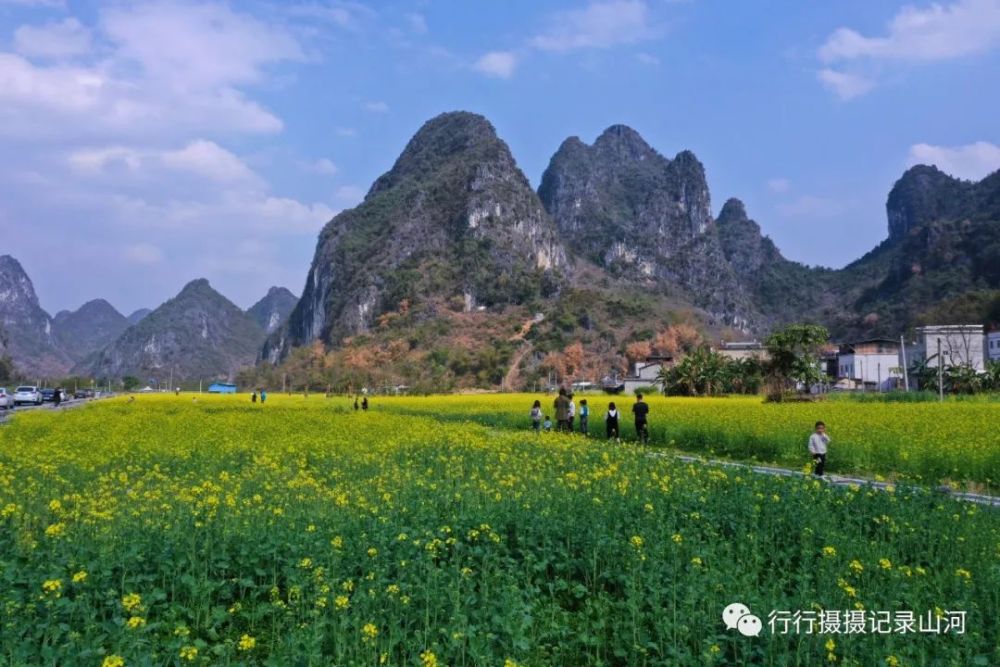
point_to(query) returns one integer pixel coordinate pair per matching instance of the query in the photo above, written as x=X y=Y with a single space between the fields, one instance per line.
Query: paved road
x=65 y=405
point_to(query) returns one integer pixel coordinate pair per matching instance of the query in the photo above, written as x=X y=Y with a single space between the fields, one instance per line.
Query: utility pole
x=940 y=372
x=906 y=373
x=880 y=377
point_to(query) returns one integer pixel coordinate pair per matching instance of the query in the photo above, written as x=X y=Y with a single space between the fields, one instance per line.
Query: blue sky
x=145 y=144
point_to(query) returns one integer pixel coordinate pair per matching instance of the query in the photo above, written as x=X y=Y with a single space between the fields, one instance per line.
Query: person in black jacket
x=641 y=411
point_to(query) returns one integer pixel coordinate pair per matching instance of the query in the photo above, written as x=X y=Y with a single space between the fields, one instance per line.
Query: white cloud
x=972 y=161
x=208 y=159
x=498 y=64
x=143 y=253
x=846 y=85
x=349 y=195
x=323 y=166
x=598 y=25
x=417 y=22
x=377 y=107
x=197 y=47
x=60 y=39
x=341 y=13
x=96 y=160
x=202 y=158
x=935 y=32
x=779 y=185
x=167 y=69
x=647 y=59
x=346 y=132
x=50 y=4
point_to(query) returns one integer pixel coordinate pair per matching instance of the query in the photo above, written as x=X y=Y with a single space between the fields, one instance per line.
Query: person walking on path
x=641 y=412
x=611 y=422
x=571 y=413
x=536 y=416
x=817 y=448
x=562 y=411
x=364 y=404
x=584 y=416
x=253 y=397
x=57 y=397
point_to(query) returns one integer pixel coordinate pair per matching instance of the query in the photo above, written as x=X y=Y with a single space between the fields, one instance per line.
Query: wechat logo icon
x=737 y=616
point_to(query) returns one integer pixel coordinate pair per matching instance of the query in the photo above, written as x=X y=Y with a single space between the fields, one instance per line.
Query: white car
x=6 y=400
x=27 y=394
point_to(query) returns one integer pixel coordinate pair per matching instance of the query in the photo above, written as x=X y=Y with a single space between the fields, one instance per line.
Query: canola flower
x=419 y=529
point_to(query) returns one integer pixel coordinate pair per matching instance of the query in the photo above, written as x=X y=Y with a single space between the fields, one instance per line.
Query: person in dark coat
x=611 y=422
x=641 y=412
x=562 y=411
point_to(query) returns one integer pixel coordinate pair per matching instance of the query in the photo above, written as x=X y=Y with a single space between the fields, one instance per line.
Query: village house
x=959 y=344
x=748 y=349
x=645 y=372
x=872 y=363
x=993 y=346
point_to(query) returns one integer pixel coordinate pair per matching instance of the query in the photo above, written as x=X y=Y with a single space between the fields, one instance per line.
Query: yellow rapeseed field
x=923 y=442
x=209 y=531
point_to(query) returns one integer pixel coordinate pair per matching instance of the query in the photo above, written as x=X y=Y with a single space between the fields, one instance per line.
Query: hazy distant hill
x=27 y=329
x=84 y=331
x=138 y=315
x=199 y=334
x=270 y=312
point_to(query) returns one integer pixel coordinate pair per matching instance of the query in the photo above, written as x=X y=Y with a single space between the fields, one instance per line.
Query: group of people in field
x=566 y=421
x=566 y=417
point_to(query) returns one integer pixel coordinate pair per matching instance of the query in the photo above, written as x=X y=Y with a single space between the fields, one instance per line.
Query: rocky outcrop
x=453 y=219
x=29 y=334
x=199 y=334
x=88 y=329
x=270 y=312
x=639 y=215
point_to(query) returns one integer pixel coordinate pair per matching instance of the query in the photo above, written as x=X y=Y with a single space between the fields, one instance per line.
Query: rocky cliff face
x=453 y=219
x=637 y=214
x=84 y=331
x=31 y=341
x=199 y=334
x=270 y=312
x=943 y=250
x=782 y=291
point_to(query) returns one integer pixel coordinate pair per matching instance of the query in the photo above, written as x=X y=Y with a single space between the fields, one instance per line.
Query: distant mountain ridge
x=643 y=222
x=27 y=329
x=452 y=262
x=199 y=334
x=138 y=315
x=88 y=329
x=272 y=310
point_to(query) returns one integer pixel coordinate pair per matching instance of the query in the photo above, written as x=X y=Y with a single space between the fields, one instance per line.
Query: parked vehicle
x=6 y=400
x=48 y=395
x=81 y=393
x=27 y=394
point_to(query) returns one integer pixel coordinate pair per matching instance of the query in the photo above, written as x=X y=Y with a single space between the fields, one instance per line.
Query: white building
x=873 y=363
x=749 y=349
x=960 y=345
x=993 y=346
x=644 y=373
